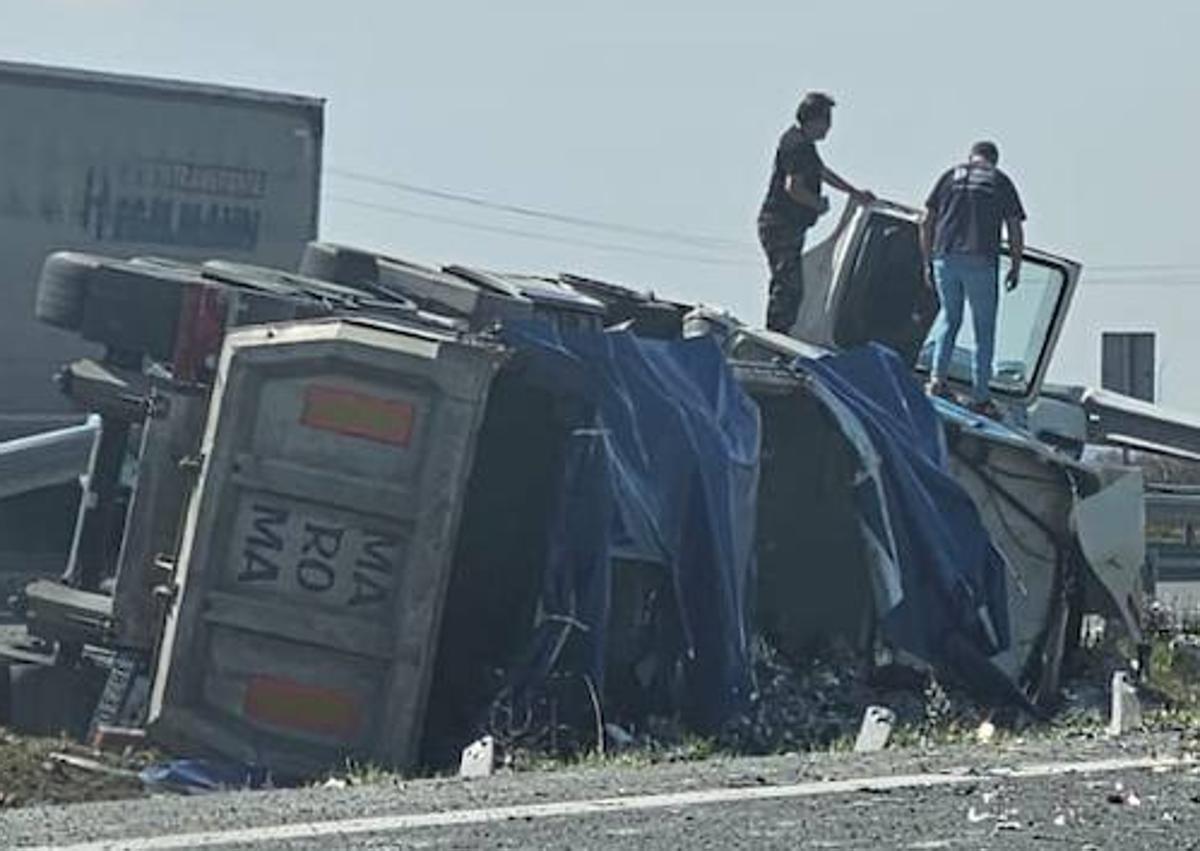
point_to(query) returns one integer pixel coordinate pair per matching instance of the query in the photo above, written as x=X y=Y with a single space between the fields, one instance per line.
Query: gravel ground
x=1147 y=809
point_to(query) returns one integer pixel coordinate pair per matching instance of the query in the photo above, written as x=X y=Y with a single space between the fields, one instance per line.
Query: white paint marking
x=601 y=806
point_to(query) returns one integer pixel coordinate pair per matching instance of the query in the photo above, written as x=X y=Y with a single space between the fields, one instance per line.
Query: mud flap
x=122 y=702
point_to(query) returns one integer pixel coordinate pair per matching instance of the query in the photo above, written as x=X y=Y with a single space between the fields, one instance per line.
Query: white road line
x=560 y=809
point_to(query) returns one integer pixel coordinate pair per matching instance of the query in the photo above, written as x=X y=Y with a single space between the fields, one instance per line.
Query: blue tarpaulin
x=952 y=577
x=665 y=470
x=196 y=776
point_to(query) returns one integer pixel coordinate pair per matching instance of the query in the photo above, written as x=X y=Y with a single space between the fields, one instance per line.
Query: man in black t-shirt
x=793 y=204
x=961 y=236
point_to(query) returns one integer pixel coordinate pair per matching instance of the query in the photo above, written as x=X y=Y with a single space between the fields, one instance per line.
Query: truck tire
x=119 y=304
x=62 y=288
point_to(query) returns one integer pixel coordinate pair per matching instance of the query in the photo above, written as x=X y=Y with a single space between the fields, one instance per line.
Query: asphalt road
x=1141 y=794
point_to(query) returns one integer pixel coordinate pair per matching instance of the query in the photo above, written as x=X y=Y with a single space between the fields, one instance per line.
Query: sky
x=663 y=117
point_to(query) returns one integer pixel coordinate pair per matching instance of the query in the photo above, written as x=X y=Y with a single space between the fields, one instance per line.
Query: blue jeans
x=977 y=279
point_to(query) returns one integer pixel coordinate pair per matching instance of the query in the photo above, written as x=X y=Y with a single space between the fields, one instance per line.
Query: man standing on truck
x=960 y=234
x=793 y=204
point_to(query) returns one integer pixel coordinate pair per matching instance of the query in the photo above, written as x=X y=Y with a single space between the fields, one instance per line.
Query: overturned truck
x=863 y=523
x=403 y=505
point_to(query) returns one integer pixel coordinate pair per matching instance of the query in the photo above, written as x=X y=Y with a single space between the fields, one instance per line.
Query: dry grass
x=32 y=772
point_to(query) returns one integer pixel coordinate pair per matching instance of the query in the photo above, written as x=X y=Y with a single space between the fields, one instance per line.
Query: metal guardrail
x=1118 y=420
x=1174 y=562
x=50 y=458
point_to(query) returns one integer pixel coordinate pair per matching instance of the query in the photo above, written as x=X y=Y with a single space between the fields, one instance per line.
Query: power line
x=1147 y=267
x=714 y=243
x=1135 y=282
x=1127 y=274
x=1135 y=279
x=693 y=240
x=524 y=234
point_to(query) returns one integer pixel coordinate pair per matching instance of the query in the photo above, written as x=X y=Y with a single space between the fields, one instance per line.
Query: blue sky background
x=664 y=115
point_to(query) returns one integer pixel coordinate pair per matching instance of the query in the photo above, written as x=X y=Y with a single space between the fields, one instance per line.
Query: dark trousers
x=784 y=245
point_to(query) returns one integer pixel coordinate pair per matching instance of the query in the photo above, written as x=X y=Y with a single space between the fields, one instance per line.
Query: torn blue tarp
x=952 y=586
x=663 y=470
x=197 y=776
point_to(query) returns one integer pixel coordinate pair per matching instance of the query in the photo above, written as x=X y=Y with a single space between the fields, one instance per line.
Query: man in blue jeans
x=961 y=235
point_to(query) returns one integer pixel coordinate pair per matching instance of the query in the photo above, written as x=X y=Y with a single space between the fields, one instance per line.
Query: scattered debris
x=619 y=736
x=1185 y=655
x=36 y=771
x=86 y=764
x=819 y=702
x=1121 y=795
x=876 y=729
x=478 y=759
x=108 y=738
x=985 y=733
x=198 y=776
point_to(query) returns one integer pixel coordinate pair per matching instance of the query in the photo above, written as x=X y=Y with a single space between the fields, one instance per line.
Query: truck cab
x=865 y=282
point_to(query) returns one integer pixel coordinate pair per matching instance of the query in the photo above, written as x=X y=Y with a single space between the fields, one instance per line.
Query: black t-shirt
x=796 y=155
x=967 y=205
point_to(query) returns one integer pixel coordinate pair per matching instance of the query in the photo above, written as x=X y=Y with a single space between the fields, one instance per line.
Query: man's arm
x=933 y=203
x=795 y=188
x=835 y=180
x=1016 y=248
x=927 y=244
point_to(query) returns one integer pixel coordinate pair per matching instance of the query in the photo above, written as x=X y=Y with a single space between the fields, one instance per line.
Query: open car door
x=866 y=283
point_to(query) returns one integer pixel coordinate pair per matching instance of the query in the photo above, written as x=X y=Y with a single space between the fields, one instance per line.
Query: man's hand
x=930 y=277
x=1016 y=248
x=823 y=205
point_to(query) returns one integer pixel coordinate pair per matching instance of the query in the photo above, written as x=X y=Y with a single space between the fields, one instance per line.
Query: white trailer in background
x=128 y=165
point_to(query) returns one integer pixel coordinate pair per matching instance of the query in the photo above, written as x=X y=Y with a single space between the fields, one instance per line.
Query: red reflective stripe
x=299 y=706
x=358 y=415
x=201 y=332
